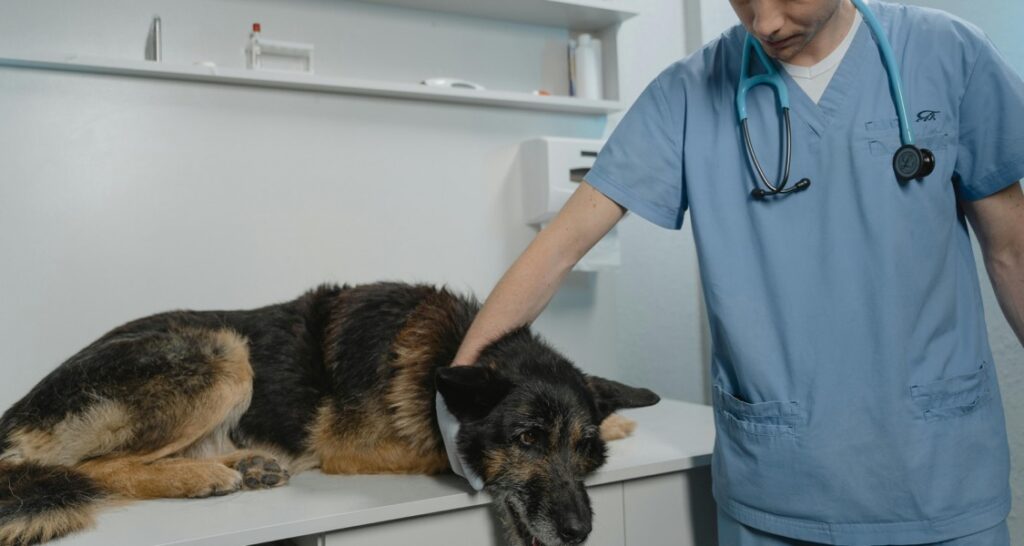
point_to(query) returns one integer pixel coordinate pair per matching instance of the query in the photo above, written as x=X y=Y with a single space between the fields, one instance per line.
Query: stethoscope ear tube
x=761 y=193
x=909 y=162
x=772 y=79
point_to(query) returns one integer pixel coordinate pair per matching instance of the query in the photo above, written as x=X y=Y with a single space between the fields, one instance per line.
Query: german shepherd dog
x=193 y=404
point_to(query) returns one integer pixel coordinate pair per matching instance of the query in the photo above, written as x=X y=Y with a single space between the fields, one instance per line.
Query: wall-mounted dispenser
x=552 y=169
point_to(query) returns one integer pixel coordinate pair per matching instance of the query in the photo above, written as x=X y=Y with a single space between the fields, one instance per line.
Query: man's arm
x=531 y=282
x=998 y=221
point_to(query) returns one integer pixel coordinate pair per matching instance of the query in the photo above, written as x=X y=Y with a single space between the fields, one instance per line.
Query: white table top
x=670 y=436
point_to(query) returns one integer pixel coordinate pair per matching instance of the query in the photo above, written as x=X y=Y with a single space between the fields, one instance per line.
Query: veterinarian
x=854 y=389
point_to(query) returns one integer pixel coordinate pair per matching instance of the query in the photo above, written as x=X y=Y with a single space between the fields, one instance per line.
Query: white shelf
x=670 y=437
x=579 y=15
x=303 y=82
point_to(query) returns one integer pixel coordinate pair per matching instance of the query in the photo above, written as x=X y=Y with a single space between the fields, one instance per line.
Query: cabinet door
x=469 y=527
x=671 y=510
x=606 y=501
x=477 y=526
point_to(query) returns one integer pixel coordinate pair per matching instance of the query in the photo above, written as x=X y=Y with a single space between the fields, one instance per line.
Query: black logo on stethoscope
x=927 y=115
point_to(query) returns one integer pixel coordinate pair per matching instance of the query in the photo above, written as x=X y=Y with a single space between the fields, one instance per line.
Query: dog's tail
x=40 y=502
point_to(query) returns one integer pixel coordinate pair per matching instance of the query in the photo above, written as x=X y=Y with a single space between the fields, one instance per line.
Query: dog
x=344 y=378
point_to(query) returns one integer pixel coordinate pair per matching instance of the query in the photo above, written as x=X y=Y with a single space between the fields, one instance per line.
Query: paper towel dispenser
x=552 y=170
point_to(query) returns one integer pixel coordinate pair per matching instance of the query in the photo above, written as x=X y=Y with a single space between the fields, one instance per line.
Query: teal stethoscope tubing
x=772 y=78
x=889 y=61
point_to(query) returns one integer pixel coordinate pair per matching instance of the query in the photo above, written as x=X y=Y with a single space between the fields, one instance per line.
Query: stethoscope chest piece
x=911 y=162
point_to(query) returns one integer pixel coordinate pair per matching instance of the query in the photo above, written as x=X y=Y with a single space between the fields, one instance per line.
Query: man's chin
x=786 y=51
x=785 y=54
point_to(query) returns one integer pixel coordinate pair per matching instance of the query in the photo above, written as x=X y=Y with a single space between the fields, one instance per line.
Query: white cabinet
x=674 y=509
x=670 y=510
x=609 y=530
x=469 y=527
x=477 y=526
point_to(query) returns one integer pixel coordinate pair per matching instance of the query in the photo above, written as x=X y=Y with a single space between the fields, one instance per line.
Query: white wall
x=659 y=337
x=121 y=197
x=706 y=19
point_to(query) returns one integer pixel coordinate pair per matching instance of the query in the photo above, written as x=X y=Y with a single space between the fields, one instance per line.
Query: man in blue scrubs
x=854 y=390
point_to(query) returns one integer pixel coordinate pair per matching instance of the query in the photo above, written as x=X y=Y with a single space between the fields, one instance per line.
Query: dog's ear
x=470 y=392
x=612 y=395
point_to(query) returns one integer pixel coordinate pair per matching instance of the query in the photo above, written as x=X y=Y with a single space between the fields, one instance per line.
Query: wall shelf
x=577 y=15
x=315 y=83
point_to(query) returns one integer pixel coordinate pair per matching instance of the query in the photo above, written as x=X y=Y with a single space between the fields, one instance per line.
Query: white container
x=552 y=170
x=277 y=55
x=154 y=41
x=588 y=84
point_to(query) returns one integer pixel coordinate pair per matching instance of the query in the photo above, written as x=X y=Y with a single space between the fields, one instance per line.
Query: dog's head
x=530 y=427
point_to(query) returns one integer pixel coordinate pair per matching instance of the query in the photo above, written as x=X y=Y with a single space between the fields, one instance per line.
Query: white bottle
x=588 y=68
x=252 y=51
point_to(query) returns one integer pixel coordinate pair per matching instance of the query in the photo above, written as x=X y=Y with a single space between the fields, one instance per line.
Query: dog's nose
x=574 y=530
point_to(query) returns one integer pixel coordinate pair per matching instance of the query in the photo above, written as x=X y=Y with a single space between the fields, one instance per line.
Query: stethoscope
x=909 y=161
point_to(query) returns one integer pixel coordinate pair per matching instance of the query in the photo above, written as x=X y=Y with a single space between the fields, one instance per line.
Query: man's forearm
x=516 y=301
x=1007 y=274
x=998 y=221
x=527 y=287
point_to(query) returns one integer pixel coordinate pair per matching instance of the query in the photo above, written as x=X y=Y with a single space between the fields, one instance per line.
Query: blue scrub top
x=854 y=389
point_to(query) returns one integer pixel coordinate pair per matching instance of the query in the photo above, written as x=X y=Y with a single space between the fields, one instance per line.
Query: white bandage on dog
x=449 y=426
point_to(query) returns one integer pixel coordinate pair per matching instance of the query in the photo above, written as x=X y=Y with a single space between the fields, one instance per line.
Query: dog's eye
x=528 y=438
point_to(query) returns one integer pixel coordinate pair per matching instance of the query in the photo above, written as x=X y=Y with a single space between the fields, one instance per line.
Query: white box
x=280 y=56
x=552 y=169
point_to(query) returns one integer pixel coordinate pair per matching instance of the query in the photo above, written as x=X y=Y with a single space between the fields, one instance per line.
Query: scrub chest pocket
x=933 y=130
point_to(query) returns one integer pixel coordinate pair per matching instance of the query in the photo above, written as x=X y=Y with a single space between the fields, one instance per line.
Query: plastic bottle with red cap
x=253 y=51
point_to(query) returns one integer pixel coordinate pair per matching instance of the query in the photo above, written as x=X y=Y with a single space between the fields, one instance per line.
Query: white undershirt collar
x=831 y=61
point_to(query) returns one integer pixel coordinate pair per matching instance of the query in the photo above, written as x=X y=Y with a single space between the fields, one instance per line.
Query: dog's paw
x=616 y=427
x=259 y=472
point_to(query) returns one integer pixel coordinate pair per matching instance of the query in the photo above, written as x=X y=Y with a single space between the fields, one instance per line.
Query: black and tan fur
x=193 y=404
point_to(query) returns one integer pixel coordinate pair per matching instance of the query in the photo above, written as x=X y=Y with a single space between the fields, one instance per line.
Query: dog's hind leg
x=147 y=395
x=150 y=396
x=171 y=423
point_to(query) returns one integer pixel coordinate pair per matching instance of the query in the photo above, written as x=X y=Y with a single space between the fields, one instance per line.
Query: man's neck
x=828 y=37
